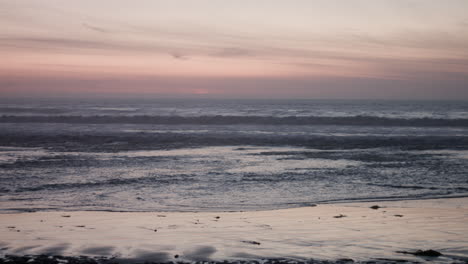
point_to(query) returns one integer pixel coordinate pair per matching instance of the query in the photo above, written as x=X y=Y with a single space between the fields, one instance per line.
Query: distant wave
x=142 y=141
x=32 y=110
x=233 y=120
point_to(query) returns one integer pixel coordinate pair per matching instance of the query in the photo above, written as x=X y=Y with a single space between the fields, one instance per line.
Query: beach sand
x=322 y=232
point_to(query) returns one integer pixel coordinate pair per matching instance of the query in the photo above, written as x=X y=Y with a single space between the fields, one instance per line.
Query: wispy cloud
x=233 y=52
x=377 y=61
x=78 y=45
x=95 y=28
x=178 y=56
x=404 y=52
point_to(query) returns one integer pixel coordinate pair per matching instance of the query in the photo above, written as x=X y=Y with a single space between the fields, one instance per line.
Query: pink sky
x=394 y=49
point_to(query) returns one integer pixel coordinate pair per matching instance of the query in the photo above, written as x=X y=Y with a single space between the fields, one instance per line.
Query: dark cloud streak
x=95 y=28
x=178 y=56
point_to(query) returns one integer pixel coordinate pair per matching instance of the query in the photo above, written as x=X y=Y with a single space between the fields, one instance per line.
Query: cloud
x=232 y=52
x=74 y=45
x=95 y=28
x=178 y=56
x=396 y=55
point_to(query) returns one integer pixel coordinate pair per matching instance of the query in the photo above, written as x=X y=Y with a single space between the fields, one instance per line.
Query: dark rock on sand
x=375 y=207
x=425 y=253
x=339 y=216
x=345 y=260
x=251 y=242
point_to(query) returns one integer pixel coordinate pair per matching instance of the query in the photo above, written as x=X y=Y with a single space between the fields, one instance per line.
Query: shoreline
x=305 y=204
x=323 y=232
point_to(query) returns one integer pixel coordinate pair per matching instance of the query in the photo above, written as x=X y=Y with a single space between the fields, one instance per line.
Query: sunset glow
x=317 y=49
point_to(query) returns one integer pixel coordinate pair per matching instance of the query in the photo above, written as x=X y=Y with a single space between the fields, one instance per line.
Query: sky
x=317 y=49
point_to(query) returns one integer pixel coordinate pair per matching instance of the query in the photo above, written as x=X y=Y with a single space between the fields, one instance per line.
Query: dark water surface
x=208 y=155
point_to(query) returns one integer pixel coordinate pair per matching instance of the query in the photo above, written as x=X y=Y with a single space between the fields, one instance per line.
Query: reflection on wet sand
x=365 y=232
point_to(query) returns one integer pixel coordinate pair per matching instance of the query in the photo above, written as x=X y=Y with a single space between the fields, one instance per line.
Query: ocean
x=227 y=155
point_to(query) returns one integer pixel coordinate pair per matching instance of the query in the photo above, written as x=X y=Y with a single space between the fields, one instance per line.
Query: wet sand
x=323 y=232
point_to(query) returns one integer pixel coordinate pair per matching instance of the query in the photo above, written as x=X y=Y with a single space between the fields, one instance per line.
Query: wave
x=426 y=196
x=419 y=187
x=160 y=180
x=121 y=142
x=233 y=120
x=32 y=110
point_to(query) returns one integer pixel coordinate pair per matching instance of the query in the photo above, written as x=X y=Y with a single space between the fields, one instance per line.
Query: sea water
x=227 y=155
